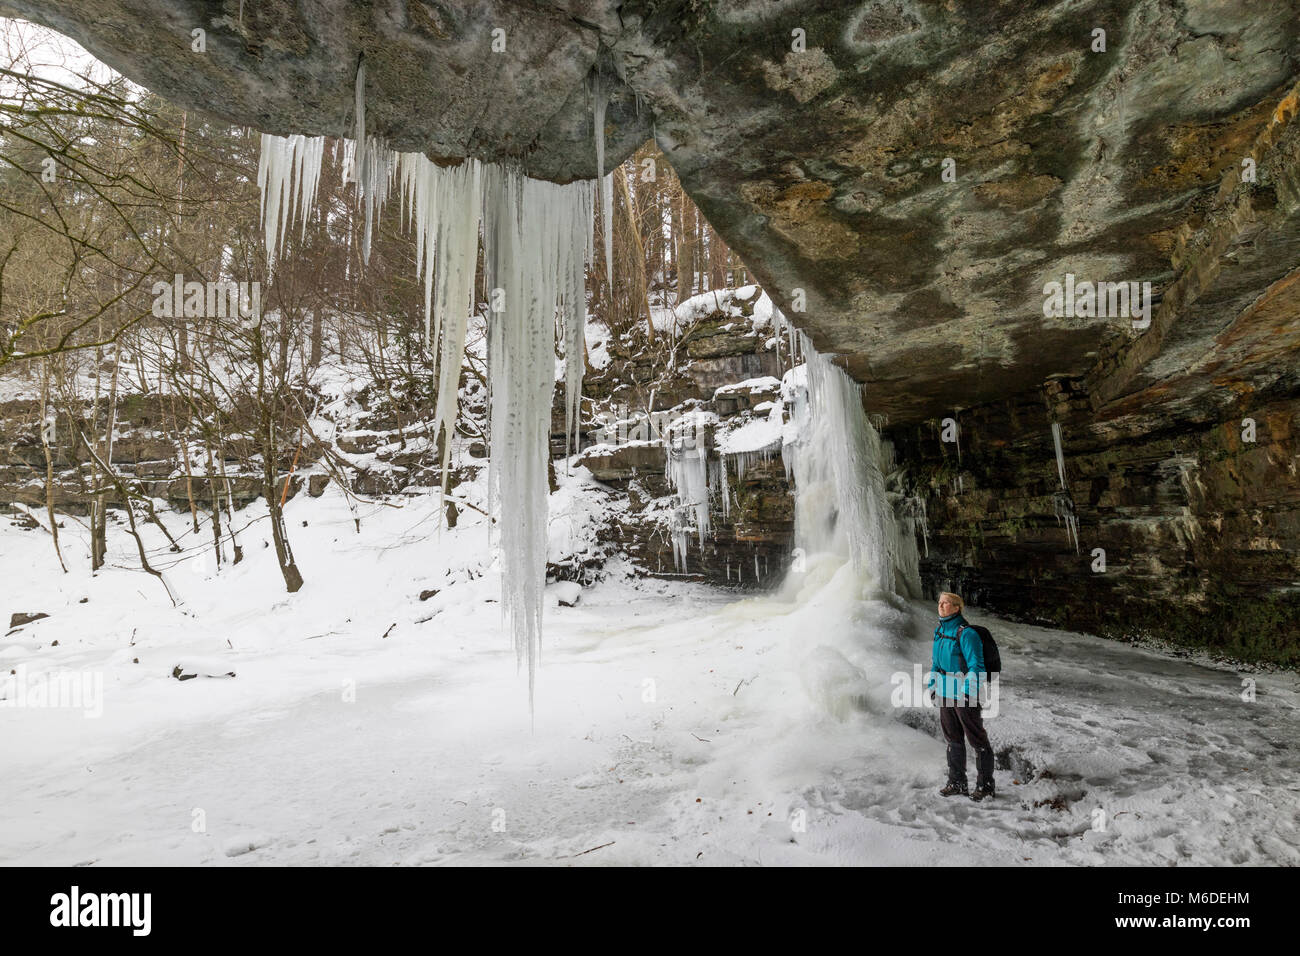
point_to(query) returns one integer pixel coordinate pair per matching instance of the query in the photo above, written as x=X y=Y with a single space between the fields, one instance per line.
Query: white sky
x=38 y=51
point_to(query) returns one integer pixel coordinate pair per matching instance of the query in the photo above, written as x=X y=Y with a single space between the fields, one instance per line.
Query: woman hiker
x=957 y=666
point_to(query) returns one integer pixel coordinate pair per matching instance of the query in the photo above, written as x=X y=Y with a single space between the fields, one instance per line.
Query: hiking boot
x=984 y=779
x=954 y=789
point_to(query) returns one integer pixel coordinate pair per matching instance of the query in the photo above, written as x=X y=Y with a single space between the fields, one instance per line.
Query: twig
x=292 y=468
x=594 y=849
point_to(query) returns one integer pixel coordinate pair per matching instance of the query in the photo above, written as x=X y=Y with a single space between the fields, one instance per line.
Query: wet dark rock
x=188 y=670
x=155 y=469
x=359 y=443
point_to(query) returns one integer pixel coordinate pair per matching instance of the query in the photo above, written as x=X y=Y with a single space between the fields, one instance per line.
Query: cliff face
x=905 y=179
x=726 y=374
x=1185 y=533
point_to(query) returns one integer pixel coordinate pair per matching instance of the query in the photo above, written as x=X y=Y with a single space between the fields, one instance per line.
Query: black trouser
x=954 y=720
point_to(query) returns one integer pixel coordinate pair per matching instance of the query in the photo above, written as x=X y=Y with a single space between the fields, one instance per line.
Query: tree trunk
x=317 y=336
x=99 y=513
x=684 y=256
x=717 y=260
x=47 y=424
x=283 y=553
x=184 y=444
x=698 y=248
x=641 y=292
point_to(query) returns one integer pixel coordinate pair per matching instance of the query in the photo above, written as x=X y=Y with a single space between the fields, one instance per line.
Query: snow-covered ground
x=674 y=724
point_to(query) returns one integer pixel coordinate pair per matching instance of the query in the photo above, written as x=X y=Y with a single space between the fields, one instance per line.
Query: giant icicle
x=537 y=240
x=526 y=223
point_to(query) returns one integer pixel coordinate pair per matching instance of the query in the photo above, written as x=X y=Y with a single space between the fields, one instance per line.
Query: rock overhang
x=814 y=136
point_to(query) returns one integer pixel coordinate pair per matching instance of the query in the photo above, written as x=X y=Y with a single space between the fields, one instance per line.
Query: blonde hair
x=956 y=599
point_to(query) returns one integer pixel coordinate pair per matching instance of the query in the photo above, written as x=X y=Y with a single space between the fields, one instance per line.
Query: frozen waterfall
x=833 y=456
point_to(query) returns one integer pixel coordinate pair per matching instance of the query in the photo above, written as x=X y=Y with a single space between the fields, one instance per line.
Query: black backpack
x=992 y=659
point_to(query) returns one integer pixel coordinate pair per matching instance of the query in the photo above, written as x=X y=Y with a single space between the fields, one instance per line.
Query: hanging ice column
x=375 y=164
x=444 y=205
x=833 y=455
x=537 y=241
x=691 y=476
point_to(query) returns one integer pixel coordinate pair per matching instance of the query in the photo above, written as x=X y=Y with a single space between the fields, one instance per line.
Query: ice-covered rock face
x=912 y=173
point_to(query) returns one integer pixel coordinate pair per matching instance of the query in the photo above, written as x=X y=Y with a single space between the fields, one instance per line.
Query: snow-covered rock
x=190 y=667
x=565 y=593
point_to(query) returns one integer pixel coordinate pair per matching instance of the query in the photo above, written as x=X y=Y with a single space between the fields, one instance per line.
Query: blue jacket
x=945 y=662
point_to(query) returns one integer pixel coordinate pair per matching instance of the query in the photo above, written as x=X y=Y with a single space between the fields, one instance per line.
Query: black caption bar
x=133 y=906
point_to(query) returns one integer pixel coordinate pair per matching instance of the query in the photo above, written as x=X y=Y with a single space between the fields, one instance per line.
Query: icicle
x=270 y=180
x=1060 y=453
x=718 y=483
x=687 y=473
x=724 y=490
x=537 y=240
x=576 y=255
x=444 y=208
x=348 y=161
x=375 y=178
x=687 y=468
x=359 y=118
x=679 y=541
x=1062 y=502
x=600 y=100
x=526 y=224
x=923 y=522
x=457 y=261
x=742 y=461
x=314 y=149
x=375 y=164
x=288 y=173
